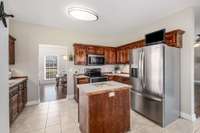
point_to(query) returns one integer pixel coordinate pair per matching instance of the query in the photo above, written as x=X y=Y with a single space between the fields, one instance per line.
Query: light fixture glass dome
x=83 y=14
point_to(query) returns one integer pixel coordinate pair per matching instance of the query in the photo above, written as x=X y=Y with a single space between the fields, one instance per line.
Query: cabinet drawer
x=82 y=80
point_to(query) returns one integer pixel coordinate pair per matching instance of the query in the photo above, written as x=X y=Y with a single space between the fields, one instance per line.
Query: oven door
x=96 y=60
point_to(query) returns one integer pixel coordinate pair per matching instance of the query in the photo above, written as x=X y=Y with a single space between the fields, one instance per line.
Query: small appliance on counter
x=95 y=75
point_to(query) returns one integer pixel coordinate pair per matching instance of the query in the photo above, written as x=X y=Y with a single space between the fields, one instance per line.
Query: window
x=50 y=67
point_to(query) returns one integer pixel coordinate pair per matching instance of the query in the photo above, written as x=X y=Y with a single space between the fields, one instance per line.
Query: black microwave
x=95 y=59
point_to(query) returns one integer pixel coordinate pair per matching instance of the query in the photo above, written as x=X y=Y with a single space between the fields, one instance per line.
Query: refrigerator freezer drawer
x=150 y=108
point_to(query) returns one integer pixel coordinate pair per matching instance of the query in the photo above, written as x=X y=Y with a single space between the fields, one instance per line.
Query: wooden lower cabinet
x=120 y=79
x=78 y=81
x=100 y=113
x=17 y=99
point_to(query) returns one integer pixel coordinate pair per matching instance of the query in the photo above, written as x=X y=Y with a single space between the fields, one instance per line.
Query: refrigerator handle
x=143 y=70
x=140 y=67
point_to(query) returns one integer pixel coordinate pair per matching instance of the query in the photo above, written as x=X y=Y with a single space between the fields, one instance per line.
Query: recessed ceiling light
x=84 y=14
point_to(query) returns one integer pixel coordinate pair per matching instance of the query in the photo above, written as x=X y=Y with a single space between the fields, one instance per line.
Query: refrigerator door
x=136 y=69
x=153 y=72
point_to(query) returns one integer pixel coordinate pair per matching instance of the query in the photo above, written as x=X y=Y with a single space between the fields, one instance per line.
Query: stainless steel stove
x=95 y=75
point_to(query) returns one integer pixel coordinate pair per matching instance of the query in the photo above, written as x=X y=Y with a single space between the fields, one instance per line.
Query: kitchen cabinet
x=110 y=55
x=119 y=78
x=79 y=80
x=123 y=55
x=95 y=50
x=80 y=55
x=104 y=111
x=17 y=99
x=99 y=51
x=120 y=55
x=174 y=38
x=11 y=50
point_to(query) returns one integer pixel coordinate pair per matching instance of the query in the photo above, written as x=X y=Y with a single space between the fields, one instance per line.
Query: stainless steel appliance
x=154 y=74
x=95 y=75
x=95 y=59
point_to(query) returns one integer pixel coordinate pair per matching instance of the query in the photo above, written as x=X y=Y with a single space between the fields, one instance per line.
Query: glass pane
x=51 y=67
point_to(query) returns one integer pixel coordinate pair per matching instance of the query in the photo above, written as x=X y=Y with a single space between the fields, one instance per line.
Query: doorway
x=52 y=72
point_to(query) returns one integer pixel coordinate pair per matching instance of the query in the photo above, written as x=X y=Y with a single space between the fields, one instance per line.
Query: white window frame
x=44 y=68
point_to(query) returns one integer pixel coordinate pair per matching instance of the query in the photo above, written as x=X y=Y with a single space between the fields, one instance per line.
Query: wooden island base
x=106 y=111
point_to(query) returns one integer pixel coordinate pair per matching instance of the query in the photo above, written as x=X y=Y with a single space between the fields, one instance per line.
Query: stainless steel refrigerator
x=154 y=74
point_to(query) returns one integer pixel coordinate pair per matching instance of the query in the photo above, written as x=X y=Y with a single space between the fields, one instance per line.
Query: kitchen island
x=104 y=107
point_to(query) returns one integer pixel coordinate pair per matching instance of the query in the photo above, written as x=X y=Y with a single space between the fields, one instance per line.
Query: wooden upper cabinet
x=123 y=55
x=80 y=53
x=120 y=55
x=11 y=50
x=91 y=49
x=95 y=50
x=100 y=50
x=174 y=38
x=110 y=55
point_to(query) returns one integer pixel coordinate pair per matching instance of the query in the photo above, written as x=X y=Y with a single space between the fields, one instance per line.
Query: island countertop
x=15 y=81
x=102 y=86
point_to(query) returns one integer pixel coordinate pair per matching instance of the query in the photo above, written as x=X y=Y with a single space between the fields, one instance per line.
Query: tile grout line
x=46 y=118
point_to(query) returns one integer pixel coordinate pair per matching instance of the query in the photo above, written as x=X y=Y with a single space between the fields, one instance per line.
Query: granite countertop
x=81 y=76
x=102 y=87
x=118 y=74
x=13 y=82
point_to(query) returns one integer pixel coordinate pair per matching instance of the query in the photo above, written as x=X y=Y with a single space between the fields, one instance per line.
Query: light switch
x=111 y=94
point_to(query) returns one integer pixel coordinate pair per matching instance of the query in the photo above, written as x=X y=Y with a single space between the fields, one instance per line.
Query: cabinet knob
x=111 y=94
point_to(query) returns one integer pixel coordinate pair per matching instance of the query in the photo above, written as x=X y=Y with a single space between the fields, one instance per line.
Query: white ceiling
x=116 y=16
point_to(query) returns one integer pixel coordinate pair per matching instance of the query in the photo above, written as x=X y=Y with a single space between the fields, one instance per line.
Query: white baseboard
x=188 y=116
x=70 y=96
x=30 y=103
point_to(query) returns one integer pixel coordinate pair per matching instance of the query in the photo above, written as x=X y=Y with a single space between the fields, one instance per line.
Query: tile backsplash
x=124 y=68
x=105 y=68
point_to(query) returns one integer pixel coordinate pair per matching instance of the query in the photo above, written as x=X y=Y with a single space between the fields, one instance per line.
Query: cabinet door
x=20 y=100
x=82 y=80
x=100 y=50
x=171 y=39
x=123 y=56
x=107 y=55
x=126 y=56
x=112 y=56
x=91 y=49
x=80 y=55
x=11 y=50
x=120 y=56
x=111 y=114
x=13 y=107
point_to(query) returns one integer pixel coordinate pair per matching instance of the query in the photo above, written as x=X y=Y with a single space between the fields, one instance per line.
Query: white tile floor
x=61 y=117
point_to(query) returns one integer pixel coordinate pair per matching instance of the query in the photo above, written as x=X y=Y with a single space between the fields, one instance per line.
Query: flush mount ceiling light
x=84 y=14
x=197 y=43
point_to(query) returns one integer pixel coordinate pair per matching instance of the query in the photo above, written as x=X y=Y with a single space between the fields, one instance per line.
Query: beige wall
x=29 y=36
x=4 y=102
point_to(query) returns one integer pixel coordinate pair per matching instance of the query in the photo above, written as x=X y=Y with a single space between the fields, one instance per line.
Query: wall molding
x=188 y=116
x=30 y=103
